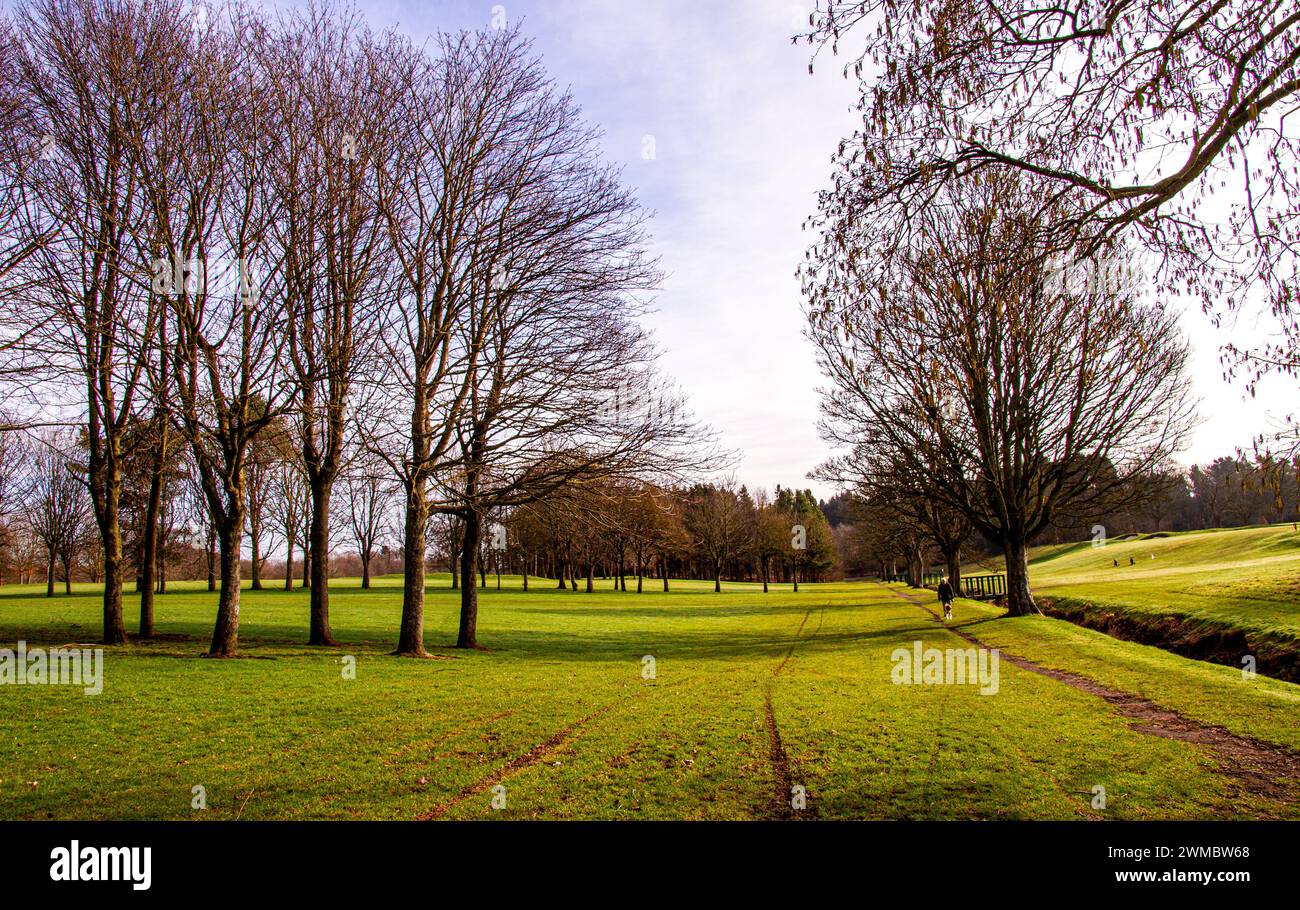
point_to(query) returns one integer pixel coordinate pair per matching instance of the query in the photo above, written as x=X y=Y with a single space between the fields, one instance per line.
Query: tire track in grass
x=781 y=807
x=1254 y=766
x=532 y=757
x=443 y=738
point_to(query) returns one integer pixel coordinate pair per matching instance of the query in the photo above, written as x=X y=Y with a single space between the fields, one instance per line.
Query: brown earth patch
x=781 y=808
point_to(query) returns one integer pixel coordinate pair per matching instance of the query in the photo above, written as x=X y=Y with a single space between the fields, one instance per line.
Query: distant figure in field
x=945 y=596
x=1115 y=563
x=1131 y=562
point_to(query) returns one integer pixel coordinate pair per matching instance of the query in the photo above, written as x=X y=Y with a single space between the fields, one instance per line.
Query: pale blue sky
x=742 y=139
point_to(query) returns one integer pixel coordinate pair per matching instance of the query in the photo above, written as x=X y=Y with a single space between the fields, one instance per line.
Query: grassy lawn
x=558 y=712
x=1247 y=578
x=1259 y=707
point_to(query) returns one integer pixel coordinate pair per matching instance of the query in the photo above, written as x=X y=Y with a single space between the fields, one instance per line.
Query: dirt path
x=782 y=808
x=1255 y=767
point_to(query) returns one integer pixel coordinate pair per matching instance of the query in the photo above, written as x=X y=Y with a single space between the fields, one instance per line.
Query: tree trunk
x=49 y=576
x=1020 y=602
x=453 y=563
x=663 y=567
x=320 y=565
x=162 y=559
x=255 y=563
x=717 y=577
x=288 y=563
x=952 y=560
x=114 y=627
x=411 y=637
x=225 y=635
x=365 y=572
x=212 y=558
x=149 y=548
x=763 y=563
x=467 y=636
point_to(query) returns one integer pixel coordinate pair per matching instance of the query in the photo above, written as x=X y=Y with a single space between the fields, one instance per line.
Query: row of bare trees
x=619 y=530
x=280 y=240
x=46 y=522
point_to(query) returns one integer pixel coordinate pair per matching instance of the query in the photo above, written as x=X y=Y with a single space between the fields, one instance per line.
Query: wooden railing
x=983 y=587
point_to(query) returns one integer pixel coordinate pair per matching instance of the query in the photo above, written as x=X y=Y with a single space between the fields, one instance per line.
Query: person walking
x=945 y=597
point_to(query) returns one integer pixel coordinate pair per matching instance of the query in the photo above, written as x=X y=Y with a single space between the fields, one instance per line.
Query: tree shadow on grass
x=511 y=647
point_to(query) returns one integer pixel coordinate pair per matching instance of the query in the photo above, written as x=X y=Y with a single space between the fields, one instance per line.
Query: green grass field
x=752 y=695
x=1247 y=578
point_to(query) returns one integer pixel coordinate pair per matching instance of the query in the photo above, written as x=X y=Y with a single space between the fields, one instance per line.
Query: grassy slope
x=1247 y=577
x=284 y=736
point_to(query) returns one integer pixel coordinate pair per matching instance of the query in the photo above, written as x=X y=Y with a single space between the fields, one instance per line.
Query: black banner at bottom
x=331 y=859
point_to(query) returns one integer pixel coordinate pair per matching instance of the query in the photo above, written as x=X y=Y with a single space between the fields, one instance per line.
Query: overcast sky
x=712 y=113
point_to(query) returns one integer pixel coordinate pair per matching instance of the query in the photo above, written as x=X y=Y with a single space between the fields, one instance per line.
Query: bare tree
x=332 y=84
x=883 y=477
x=644 y=511
x=1139 y=113
x=173 y=512
x=433 y=195
x=553 y=277
x=58 y=506
x=148 y=445
x=1009 y=384
x=290 y=507
x=79 y=59
x=208 y=161
x=259 y=474
x=370 y=498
